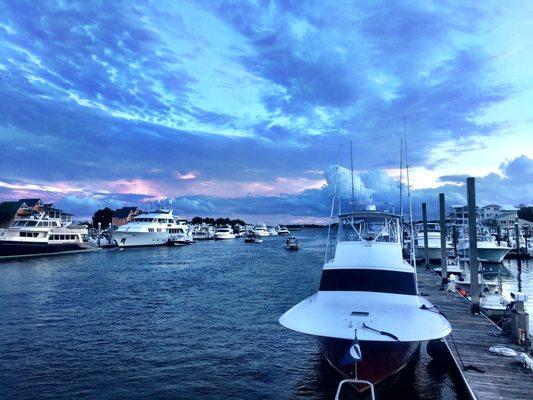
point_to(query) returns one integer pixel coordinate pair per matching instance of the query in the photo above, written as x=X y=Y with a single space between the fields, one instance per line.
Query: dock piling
x=426 y=244
x=517 y=244
x=443 y=261
x=472 y=247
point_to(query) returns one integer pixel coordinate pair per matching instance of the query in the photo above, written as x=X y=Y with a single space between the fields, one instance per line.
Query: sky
x=233 y=108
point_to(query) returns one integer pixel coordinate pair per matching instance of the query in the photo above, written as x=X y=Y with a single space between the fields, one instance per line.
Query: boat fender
x=524 y=358
x=502 y=351
x=462 y=292
x=438 y=350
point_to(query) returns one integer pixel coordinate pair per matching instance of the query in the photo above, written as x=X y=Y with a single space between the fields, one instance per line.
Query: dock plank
x=504 y=377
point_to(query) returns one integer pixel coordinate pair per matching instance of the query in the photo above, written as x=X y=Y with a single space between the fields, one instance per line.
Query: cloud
x=230 y=105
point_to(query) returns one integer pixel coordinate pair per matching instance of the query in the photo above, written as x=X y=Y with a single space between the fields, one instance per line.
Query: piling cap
x=519 y=296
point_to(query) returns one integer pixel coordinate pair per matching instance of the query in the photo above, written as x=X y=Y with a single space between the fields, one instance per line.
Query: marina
x=248 y=200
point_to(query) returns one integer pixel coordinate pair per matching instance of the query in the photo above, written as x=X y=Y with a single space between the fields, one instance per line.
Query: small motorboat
x=252 y=237
x=291 y=244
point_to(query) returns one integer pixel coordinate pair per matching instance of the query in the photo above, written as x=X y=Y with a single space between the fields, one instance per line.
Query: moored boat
x=367 y=290
x=41 y=234
x=149 y=229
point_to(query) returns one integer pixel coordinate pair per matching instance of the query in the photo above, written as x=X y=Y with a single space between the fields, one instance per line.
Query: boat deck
x=503 y=377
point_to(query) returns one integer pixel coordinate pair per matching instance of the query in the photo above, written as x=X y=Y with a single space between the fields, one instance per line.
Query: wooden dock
x=504 y=377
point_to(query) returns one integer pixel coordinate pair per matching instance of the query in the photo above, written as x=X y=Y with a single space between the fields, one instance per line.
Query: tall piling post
x=517 y=240
x=472 y=238
x=443 y=261
x=426 y=242
x=498 y=234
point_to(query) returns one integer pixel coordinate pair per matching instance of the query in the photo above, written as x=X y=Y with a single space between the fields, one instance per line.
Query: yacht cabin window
x=379 y=228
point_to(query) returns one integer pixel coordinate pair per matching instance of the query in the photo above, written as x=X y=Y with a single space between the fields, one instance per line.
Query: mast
x=351 y=169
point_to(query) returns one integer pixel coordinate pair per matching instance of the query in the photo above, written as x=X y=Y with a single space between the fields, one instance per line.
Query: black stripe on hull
x=368 y=280
x=381 y=360
x=13 y=249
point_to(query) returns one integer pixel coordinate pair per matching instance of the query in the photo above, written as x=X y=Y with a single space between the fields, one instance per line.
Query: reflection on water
x=191 y=323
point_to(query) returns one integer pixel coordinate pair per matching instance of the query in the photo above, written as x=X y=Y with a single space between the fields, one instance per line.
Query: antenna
x=401 y=180
x=333 y=195
x=413 y=255
x=351 y=169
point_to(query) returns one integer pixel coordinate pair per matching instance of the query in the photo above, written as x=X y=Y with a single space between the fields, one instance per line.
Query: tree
x=197 y=220
x=104 y=216
x=6 y=215
x=526 y=212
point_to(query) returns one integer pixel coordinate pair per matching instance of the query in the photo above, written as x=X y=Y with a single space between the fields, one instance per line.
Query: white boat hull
x=137 y=239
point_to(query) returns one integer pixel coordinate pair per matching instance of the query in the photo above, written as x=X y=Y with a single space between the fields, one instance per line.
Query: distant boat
x=224 y=232
x=368 y=291
x=282 y=230
x=41 y=234
x=433 y=232
x=291 y=244
x=251 y=237
x=149 y=229
x=272 y=231
x=261 y=230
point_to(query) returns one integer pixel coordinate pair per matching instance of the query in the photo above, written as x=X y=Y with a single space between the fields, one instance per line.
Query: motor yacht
x=282 y=230
x=261 y=230
x=224 y=232
x=42 y=234
x=272 y=231
x=203 y=232
x=433 y=232
x=367 y=291
x=149 y=229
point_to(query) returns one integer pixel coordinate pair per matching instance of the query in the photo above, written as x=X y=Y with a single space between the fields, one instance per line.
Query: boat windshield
x=379 y=228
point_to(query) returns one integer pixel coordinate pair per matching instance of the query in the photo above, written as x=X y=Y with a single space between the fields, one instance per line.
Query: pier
x=487 y=376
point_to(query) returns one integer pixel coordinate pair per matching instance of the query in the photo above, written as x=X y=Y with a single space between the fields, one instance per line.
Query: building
x=491 y=211
x=10 y=210
x=124 y=215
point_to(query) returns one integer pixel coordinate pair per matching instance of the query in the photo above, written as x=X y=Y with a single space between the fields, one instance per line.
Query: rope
x=465 y=367
x=381 y=332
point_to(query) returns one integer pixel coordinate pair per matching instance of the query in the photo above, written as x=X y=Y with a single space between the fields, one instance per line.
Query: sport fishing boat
x=369 y=292
x=433 y=230
x=487 y=248
x=149 y=229
x=41 y=234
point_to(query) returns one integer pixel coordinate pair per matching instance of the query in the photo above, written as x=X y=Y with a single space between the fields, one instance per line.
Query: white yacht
x=203 y=232
x=224 y=232
x=261 y=230
x=282 y=230
x=239 y=230
x=272 y=231
x=433 y=230
x=149 y=229
x=41 y=234
x=368 y=291
x=487 y=248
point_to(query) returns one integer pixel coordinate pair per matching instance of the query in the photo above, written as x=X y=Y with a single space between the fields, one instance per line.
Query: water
x=193 y=322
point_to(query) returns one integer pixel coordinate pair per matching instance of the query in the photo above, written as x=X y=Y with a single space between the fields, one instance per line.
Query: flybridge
x=359 y=230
